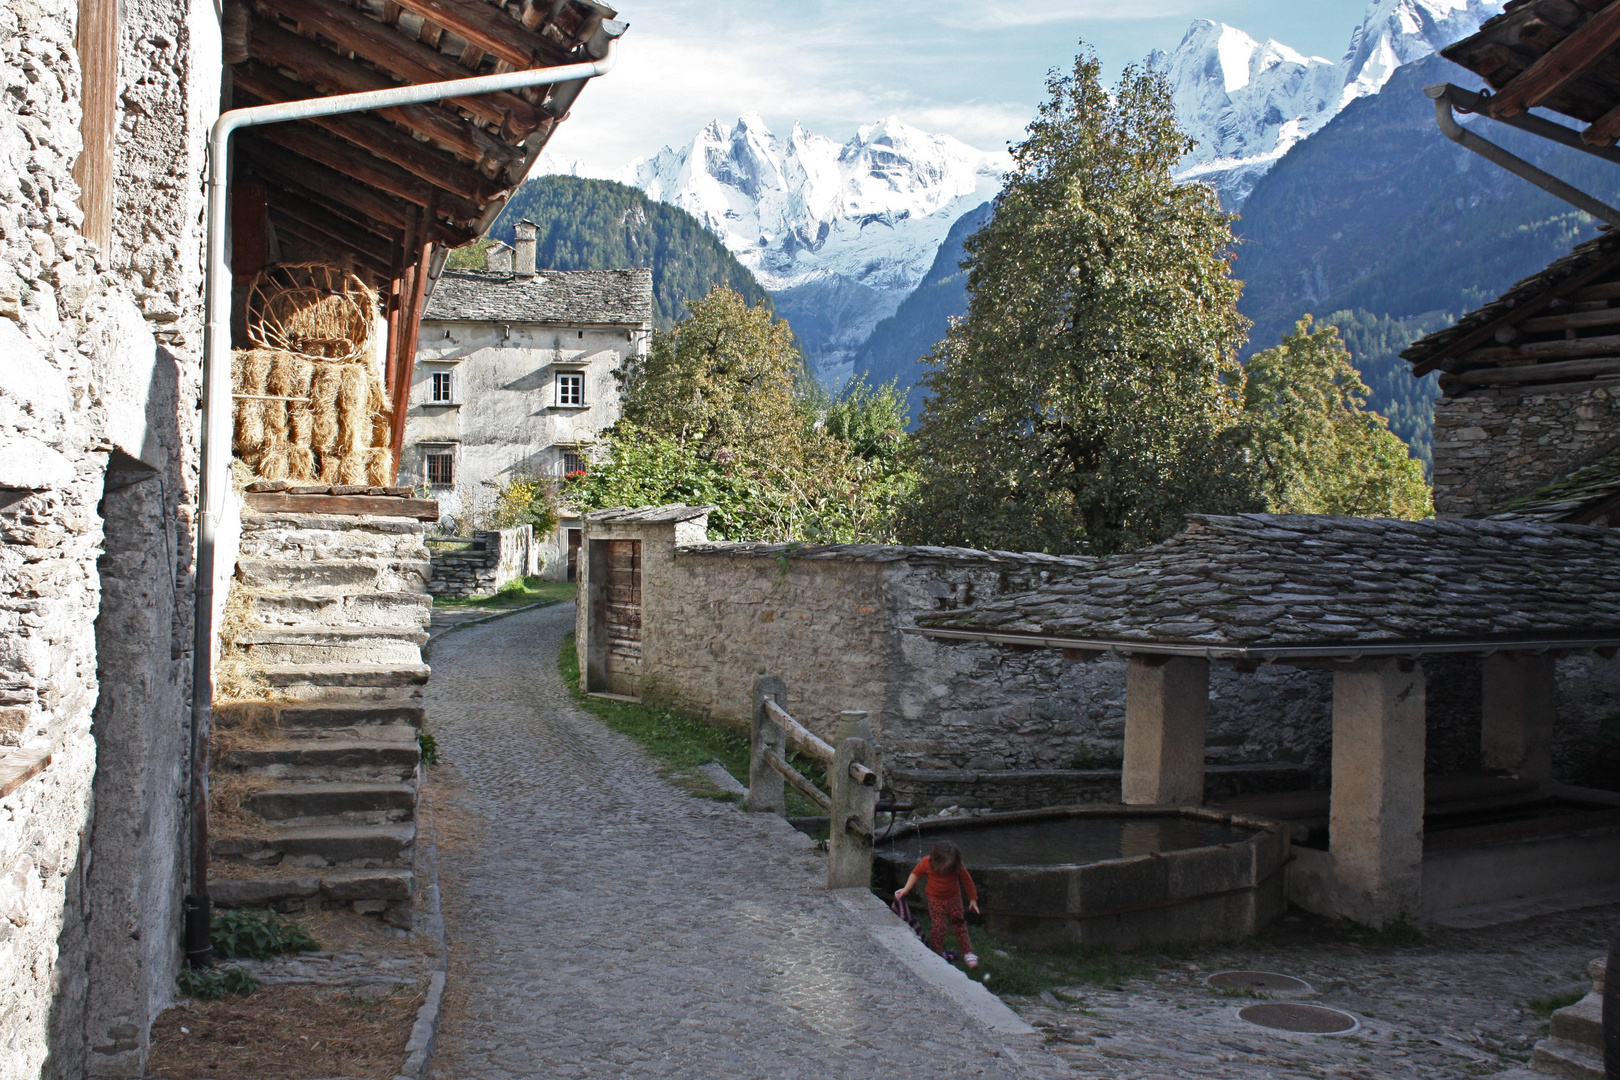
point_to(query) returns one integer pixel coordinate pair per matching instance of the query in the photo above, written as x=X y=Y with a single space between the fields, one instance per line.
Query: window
x=441 y=388
x=571 y=388
x=441 y=467
x=573 y=462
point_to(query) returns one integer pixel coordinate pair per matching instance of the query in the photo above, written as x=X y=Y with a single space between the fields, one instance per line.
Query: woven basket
x=311 y=309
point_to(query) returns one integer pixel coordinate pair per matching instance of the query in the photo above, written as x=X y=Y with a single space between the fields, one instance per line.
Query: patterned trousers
x=949 y=911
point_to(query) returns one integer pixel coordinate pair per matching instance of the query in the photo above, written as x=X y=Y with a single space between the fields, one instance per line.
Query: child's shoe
x=972 y=961
x=950 y=957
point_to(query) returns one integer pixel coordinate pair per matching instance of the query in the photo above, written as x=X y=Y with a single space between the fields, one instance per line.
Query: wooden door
x=616 y=588
x=573 y=553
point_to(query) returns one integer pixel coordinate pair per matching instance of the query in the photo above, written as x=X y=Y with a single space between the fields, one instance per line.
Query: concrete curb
x=432 y=637
x=430 y=921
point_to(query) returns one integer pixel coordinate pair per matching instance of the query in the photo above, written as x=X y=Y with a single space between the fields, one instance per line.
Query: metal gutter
x=1467 y=101
x=1444 y=102
x=214 y=479
x=1275 y=654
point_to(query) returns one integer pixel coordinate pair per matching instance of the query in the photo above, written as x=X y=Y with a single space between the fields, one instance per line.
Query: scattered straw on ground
x=228 y=794
x=287 y=1033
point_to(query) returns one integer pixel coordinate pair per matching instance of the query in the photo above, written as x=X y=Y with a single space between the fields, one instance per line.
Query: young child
x=948 y=880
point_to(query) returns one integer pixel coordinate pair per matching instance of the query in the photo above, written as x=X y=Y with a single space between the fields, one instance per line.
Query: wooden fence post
x=765 y=791
x=853 y=781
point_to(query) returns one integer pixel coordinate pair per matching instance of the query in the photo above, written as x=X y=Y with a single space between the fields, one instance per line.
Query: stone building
x=516 y=377
x=103 y=146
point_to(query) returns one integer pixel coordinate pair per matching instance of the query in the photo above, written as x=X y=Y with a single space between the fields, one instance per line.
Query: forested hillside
x=601 y=225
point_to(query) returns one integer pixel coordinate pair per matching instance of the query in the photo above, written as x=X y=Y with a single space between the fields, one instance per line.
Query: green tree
x=1317 y=448
x=871 y=419
x=1086 y=400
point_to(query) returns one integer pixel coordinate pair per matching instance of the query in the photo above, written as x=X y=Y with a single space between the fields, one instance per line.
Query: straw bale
x=300 y=463
x=301 y=426
x=352 y=467
x=353 y=408
x=380 y=466
x=329 y=466
x=249 y=426
x=273 y=464
x=289 y=376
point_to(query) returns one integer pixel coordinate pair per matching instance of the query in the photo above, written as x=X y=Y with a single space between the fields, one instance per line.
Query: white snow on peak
x=1247 y=103
x=839 y=233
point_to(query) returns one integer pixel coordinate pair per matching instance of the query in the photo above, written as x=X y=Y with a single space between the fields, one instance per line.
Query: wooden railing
x=854 y=774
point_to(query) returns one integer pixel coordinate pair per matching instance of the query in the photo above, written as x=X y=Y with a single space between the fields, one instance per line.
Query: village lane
x=603 y=923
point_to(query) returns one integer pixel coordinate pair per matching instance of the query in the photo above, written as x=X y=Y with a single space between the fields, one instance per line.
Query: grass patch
x=1017 y=972
x=211 y=984
x=515 y=593
x=680 y=744
x=1544 y=1007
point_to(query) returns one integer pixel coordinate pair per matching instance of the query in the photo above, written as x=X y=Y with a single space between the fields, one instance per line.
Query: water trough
x=1109 y=875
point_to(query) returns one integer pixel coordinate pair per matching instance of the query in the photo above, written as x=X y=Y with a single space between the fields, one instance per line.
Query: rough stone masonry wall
x=1496 y=445
x=508 y=554
x=97 y=398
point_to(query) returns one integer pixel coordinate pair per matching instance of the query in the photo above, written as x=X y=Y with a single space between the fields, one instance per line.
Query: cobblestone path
x=604 y=924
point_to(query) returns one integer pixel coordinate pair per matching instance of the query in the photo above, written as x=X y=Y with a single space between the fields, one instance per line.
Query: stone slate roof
x=1261 y=580
x=1587 y=496
x=651 y=515
x=886 y=553
x=571 y=297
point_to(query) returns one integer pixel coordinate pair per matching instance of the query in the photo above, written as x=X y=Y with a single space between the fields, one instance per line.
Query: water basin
x=1109 y=875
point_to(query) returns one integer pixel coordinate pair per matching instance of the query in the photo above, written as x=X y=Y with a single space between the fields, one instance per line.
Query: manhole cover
x=1310 y=1019
x=1268 y=981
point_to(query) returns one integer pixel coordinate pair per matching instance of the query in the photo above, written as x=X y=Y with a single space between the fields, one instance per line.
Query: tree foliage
x=1087 y=400
x=1314 y=446
x=716 y=414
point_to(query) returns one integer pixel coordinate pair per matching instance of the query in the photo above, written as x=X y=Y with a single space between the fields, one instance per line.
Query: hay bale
x=352 y=467
x=329 y=466
x=301 y=426
x=290 y=375
x=380 y=466
x=273 y=463
x=354 y=408
x=324 y=391
x=300 y=463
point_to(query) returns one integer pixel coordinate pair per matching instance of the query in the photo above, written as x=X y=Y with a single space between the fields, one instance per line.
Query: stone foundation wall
x=508 y=554
x=1496 y=445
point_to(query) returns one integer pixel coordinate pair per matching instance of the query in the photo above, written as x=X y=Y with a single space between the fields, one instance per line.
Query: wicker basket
x=311 y=309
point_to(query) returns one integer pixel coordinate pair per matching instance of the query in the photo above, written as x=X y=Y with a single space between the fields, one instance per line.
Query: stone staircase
x=1574 y=1048
x=316 y=774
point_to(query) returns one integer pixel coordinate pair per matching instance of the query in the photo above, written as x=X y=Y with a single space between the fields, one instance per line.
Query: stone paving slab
x=603 y=923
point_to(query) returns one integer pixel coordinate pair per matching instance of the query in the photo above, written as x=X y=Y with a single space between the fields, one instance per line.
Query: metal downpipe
x=215 y=421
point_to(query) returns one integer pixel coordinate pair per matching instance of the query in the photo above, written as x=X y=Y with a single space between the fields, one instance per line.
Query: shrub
x=211 y=984
x=244 y=933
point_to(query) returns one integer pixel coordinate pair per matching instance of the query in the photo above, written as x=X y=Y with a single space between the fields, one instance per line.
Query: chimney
x=524 y=260
x=499 y=258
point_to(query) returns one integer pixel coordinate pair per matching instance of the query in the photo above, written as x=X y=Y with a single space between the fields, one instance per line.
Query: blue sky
x=975 y=70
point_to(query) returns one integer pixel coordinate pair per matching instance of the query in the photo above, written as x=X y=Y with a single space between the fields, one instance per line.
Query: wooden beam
x=276 y=502
x=1559 y=65
x=320 y=67
x=334 y=218
x=407 y=59
x=1557 y=349
x=1471 y=340
x=410 y=325
x=316 y=226
x=441 y=169
x=1573 y=320
x=1607 y=290
x=333 y=187
x=1540 y=372
x=490 y=28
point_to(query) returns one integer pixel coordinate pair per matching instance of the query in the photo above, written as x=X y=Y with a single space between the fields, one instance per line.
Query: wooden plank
x=1603 y=130
x=1554 y=349
x=1573 y=320
x=1485 y=333
x=799 y=781
x=1540 y=372
x=18 y=765
x=409 y=60
x=440 y=168
x=363 y=166
x=287 y=205
x=807 y=740
x=320 y=67
x=353 y=244
x=490 y=28
x=1561 y=64
x=96 y=168
x=1607 y=290
x=275 y=164
x=355 y=505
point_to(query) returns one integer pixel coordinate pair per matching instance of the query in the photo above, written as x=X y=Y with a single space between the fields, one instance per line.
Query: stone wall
x=97 y=470
x=1495 y=445
x=507 y=554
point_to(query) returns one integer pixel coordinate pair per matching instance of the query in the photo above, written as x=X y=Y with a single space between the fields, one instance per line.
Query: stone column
x=1375 y=824
x=1166 y=707
x=766 y=793
x=850 y=824
x=1518 y=697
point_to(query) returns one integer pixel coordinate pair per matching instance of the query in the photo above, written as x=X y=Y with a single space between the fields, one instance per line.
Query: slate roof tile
x=571 y=297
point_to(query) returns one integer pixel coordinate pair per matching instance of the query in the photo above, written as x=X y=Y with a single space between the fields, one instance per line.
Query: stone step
x=330 y=536
x=1556 y=1057
x=363 y=720
x=361 y=846
x=335 y=683
x=336 y=885
x=410 y=610
x=335 y=645
x=335 y=575
x=335 y=804
x=1581 y=1023
x=326 y=760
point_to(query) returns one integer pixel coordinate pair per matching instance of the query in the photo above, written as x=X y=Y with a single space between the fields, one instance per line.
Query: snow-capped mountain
x=1247 y=103
x=839 y=233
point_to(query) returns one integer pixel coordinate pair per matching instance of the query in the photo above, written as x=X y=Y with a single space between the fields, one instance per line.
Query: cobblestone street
x=602 y=923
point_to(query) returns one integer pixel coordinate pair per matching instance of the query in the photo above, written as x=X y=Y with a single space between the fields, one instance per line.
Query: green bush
x=211 y=984
x=238 y=933
x=428 y=745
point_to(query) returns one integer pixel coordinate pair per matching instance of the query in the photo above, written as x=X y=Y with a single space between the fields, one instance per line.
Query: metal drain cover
x=1307 y=1019
x=1257 y=980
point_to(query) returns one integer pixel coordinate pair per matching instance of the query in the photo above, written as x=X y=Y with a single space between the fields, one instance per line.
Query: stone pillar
x=1375 y=825
x=1166 y=706
x=1519 y=698
x=854 y=804
x=766 y=794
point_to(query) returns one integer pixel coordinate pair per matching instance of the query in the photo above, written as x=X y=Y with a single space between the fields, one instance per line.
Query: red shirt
x=944 y=887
